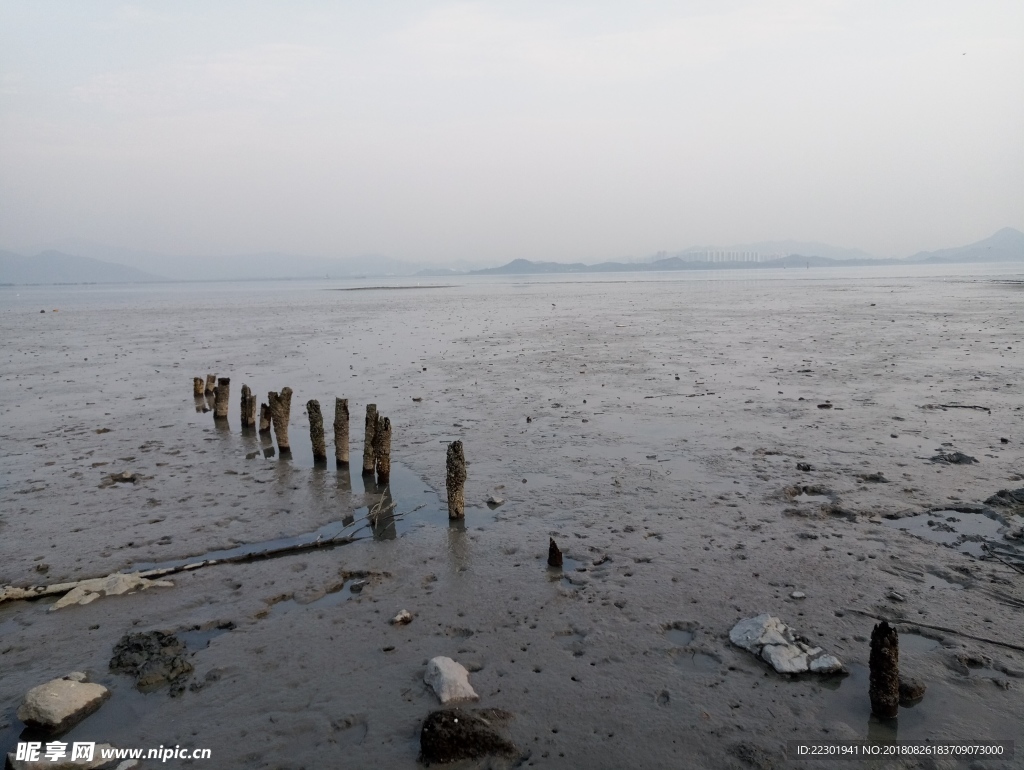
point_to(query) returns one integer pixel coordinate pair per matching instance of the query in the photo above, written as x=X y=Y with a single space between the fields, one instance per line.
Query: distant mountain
x=773 y=250
x=526 y=267
x=1007 y=245
x=57 y=267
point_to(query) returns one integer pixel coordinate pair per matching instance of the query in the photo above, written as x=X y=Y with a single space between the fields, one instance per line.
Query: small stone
x=798 y=595
x=357 y=586
x=449 y=680
x=61 y=703
x=804 y=467
x=76 y=676
x=494 y=502
x=826 y=405
x=895 y=597
x=403 y=618
x=911 y=691
x=827 y=664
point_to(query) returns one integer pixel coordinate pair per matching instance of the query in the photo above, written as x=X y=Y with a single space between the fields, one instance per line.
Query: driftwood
x=956 y=406
x=1008 y=645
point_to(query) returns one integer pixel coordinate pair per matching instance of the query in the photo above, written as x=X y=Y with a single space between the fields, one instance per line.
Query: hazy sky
x=493 y=130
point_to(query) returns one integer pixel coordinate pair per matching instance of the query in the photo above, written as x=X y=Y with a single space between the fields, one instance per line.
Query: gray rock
x=86 y=591
x=449 y=680
x=911 y=691
x=774 y=642
x=60 y=704
x=403 y=618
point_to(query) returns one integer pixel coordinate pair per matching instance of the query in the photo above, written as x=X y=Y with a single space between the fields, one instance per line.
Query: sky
x=480 y=132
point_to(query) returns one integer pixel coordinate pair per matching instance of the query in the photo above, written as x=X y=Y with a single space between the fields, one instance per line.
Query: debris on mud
x=1008 y=498
x=874 y=478
x=58 y=705
x=154 y=659
x=452 y=734
x=125 y=477
x=773 y=641
x=403 y=618
x=86 y=591
x=449 y=680
x=953 y=458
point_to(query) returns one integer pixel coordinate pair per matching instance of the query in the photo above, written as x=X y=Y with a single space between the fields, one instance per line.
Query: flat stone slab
x=60 y=704
x=449 y=680
x=112 y=585
x=777 y=644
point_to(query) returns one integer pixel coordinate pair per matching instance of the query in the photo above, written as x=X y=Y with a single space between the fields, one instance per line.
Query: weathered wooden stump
x=369 y=462
x=211 y=382
x=316 y=431
x=198 y=387
x=884 y=663
x=382 y=450
x=265 y=418
x=341 y=431
x=223 y=392
x=455 y=481
x=280 y=414
x=554 y=555
x=248 y=407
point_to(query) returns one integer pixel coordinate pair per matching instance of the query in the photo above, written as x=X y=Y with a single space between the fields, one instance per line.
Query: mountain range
x=88 y=265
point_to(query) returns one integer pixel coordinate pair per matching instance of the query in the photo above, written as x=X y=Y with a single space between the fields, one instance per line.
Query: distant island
x=57 y=267
x=1007 y=245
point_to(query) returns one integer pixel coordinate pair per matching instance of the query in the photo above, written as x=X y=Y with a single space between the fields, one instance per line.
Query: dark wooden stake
x=455 y=481
x=884 y=663
x=554 y=555
x=211 y=382
x=369 y=462
x=198 y=386
x=223 y=392
x=265 y=418
x=382 y=450
x=280 y=413
x=316 y=431
x=248 y=407
x=341 y=432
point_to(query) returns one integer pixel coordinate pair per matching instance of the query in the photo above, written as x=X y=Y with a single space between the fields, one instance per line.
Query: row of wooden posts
x=376 y=444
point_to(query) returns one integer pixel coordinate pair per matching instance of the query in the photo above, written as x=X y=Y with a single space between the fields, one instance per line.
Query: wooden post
x=554 y=555
x=220 y=406
x=341 y=432
x=264 y=418
x=369 y=462
x=884 y=663
x=211 y=382
x=316 y=431
x=382 y=450
x=455 y=481
x=280 y=413
x=198 y=387
x=248 y=408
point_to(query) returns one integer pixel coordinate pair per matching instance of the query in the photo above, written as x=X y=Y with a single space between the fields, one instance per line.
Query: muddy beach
x=702 y=451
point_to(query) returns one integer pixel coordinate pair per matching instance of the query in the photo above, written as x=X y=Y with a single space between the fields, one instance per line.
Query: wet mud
x=666 y=435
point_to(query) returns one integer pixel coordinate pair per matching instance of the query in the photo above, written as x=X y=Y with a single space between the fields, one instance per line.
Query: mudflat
x=701 y=451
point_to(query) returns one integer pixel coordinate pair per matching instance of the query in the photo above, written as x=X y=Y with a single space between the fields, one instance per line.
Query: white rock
x=785 y=658
x=798 y=595
x=112 y=585
x=827 y=664
x=495 y=501
x=402 y=618
x=449 y=680
x=96 y=763
x=61 y=703
x=76 y=676
x=775 y=642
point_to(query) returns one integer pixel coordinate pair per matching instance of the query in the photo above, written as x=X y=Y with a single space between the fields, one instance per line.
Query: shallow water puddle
x=917 y=644
x=695 y=661
x=679 y=637
x=330 y=599
x=968 y=533
x=403 y=506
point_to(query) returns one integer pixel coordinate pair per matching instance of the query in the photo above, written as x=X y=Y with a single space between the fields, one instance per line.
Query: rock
x=911 y=691
x=61 y=703
x=66 y=763
x=494 y=502
x=449 y=680
x=798 y=595
x=804 y=467
x=403 y=618
x=154 y=659
x=358 y=586
x=86 y=591
x=826 y=405
x=76 y=676
x=875 y=478
x=774 y=642
x=1008 y=498
x=554 y=555
x=953 y=458
x=453 y=734
x=892 y=595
